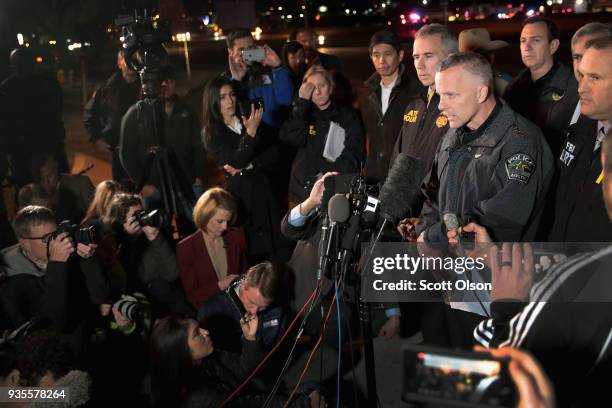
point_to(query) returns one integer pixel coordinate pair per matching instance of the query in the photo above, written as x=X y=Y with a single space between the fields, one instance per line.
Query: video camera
x=143 y=45
x=85 y=235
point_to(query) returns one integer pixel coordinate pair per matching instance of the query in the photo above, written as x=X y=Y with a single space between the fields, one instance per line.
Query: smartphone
x=254 y=55
x=453 y=378
x=244 y=106
x=233 y=295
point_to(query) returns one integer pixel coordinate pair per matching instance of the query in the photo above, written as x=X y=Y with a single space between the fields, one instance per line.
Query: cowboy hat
x=478 y=39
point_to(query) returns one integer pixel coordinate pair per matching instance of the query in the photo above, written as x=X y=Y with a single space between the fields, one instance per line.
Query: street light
x=185 y=38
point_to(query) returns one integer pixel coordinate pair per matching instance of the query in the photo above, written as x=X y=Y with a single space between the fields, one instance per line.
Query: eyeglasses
x=44 y=238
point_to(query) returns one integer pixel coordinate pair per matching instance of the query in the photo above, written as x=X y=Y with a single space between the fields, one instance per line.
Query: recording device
x=252 y=55
x=402 y=188
x=148 y=219
x=244 y=106
x=144 y=51
x=135 y=307
x=454 y=378
x=85 y=235
x=232 y=292
x=451 y=222
x=149 y=159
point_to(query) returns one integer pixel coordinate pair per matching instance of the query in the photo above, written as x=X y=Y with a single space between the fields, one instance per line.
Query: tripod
x=144 y=127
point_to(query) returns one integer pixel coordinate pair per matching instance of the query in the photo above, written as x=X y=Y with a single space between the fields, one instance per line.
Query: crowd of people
x=97 y=294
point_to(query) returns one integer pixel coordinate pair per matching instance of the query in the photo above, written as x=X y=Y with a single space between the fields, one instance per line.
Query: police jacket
x=382 y=130
x=422 y=129
x=497 y=176
x=580 y=212
x=103 y=112
x=566 y=325
x=223 y=319
x=548 y=102
x=307 y=129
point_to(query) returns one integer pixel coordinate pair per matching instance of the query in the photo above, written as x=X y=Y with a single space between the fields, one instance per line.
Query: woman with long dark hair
x=187 y=371
x=245 y=153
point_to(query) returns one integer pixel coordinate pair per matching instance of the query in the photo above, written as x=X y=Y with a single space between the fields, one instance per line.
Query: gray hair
x=449 y=41
x=601 y=43
x=595 y=29
x=472 y=62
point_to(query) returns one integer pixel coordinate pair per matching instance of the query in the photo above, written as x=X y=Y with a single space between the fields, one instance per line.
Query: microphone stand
x=364 y=311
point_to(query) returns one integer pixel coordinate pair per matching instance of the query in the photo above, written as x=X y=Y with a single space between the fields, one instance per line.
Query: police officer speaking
x=493 y=166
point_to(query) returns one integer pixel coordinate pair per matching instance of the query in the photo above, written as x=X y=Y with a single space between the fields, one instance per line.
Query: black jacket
x=548 y=102
x=222 y=318
x=222 y=372
x=103 y=112
x=180 y=135
x=382 y=130
x=257 y=209
x=499 y=179
x=183 y=136
x=580 y=212
x=307 y=130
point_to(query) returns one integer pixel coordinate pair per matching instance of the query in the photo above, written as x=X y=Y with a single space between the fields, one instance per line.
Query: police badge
x=519 y=167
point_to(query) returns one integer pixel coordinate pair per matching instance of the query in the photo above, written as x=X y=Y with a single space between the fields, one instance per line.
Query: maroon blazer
x=197 y=272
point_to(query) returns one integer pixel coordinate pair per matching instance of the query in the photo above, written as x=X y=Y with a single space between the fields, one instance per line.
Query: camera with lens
x=148 y=219
x=135 y=307
x=143 y=45
x=244 y=107
x=85 y=235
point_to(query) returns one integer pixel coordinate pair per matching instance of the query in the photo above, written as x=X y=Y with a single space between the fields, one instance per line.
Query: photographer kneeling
x=145 y=261
x=255 y=295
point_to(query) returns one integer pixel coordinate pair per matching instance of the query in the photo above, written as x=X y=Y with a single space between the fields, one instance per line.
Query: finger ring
x=507 y=263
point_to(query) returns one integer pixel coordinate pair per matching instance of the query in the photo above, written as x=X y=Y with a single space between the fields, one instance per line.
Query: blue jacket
x=275 y=88
x=222 y=318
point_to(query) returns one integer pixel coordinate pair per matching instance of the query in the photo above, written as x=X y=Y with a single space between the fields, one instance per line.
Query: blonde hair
x=317 y=69
x=99 y=206
x=209 y=202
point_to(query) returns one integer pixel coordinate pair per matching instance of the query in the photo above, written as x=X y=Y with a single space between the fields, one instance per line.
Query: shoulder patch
x=520 y=167
x=441 y=121
x=411 y=116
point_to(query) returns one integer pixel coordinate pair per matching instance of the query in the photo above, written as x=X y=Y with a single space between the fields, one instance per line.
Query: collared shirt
x=602 y=129
x=576 y=114
x=385 y=94
x=430 y=93
x=296 y=219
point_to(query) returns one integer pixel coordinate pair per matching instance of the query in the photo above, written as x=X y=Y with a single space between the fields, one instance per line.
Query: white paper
x=334 y=144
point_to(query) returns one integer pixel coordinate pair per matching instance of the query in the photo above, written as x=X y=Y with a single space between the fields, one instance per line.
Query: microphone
x=402 y=187
x=328 y=192
x=452 y=224
x=338 y=211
